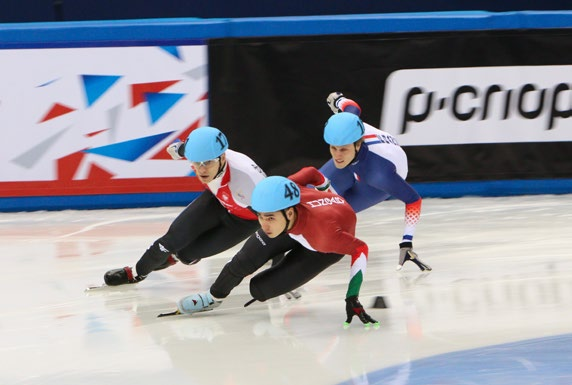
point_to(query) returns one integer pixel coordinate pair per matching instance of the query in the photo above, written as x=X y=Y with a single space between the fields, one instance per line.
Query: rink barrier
x=426 y=190
x=186 y=31
x=95 y=202
x=76 y=10
x=182 y=30
x=497 y=188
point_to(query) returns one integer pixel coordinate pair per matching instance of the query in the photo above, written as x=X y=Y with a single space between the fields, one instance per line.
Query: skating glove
x=355 y=308
x=333 y=100
x=175 y=149
x=406 y=253
x=324 y=186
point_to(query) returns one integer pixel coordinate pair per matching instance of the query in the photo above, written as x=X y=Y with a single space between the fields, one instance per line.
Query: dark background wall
x=275 y=89
x=17 y=11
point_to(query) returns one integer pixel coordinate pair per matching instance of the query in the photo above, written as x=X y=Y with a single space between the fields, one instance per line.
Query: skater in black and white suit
x=214 y=222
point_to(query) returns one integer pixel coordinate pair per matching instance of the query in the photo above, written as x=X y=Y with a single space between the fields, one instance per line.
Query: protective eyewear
x=206 y=163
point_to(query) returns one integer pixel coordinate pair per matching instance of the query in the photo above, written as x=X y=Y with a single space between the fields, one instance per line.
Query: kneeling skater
x=320 y=228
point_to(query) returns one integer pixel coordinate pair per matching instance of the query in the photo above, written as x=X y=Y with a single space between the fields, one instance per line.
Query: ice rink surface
x=496 y=309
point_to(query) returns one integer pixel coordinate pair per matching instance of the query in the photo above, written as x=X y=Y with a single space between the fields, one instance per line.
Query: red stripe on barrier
x=109 y=186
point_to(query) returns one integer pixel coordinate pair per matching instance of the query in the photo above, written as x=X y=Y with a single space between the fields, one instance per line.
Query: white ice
x=502 y=272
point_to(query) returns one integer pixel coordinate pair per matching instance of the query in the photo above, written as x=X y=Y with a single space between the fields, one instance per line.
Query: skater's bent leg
x=201 y=216
x=256 y=251
x=299 y=267
x=230 y=232
x=196 y=218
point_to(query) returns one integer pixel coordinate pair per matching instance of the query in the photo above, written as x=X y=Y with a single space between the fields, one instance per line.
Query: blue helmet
x=205 y=143
x=343 y=128
x=274 y=193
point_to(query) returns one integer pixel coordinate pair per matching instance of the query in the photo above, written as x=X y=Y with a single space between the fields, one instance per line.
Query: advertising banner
x=479 y=105
x=97 y=120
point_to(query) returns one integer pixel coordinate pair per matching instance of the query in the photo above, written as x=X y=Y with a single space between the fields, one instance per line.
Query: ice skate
x=197 y=303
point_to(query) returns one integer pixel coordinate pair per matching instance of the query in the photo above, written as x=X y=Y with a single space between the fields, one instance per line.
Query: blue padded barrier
x=152 y=31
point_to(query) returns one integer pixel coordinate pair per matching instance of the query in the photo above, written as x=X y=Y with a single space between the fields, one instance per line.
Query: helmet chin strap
x=220 y=167
x=283 y=211
x=355 y=153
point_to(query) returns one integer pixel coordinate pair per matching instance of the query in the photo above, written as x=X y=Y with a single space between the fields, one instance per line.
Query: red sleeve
x=308 y=175
x=346 y=243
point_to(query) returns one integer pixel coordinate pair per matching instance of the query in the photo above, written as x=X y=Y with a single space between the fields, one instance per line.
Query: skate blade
x=295 y=294
x=176 y=312
x=421 y=265
x=95 y=287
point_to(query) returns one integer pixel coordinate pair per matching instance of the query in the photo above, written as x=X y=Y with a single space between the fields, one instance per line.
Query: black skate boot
x=121 y=276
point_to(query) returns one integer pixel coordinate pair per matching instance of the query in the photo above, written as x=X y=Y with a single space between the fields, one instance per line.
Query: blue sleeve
x=381 y=174
x=363 y=196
